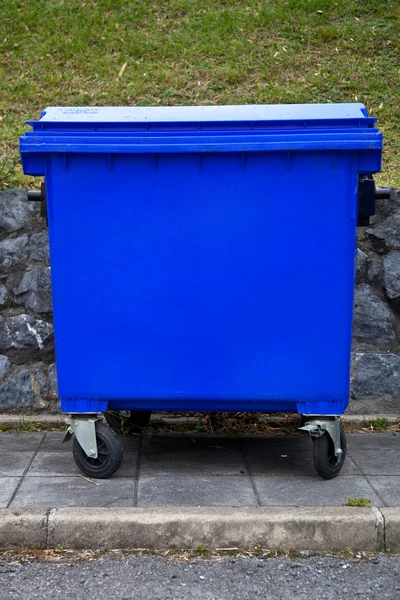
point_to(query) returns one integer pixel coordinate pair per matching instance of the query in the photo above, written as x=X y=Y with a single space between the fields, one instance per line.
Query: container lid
x=251 y=128
x=201 y=114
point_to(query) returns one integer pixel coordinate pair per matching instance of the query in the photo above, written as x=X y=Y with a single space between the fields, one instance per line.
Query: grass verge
x=113 y=52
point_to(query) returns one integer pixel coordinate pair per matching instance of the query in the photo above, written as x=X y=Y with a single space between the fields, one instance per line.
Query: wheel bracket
x=316 y=428
x=85 y=432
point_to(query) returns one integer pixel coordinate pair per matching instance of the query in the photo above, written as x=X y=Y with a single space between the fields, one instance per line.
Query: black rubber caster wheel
x=134 y=423
x=110 y=453
x=327 y=465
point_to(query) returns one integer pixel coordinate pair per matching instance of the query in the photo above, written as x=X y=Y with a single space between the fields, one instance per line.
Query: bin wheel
x=137 y=420
x=110 y=452
x=327 y=465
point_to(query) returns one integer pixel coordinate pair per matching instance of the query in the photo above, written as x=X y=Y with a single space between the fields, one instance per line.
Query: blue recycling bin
x=203 y=259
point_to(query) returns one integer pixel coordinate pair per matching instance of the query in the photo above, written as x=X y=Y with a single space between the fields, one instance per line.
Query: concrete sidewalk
x=36 y=470
x=179 y=490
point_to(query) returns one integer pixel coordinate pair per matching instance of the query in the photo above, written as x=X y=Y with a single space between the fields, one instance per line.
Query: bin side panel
x=204 y=280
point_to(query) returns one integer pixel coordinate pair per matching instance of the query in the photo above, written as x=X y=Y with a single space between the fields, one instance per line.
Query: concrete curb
x=391 y=517
x=41 y=419
x=26 y=527
x=324 y=529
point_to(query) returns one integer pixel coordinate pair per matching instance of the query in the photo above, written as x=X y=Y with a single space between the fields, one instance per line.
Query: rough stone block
x=23 y=331
x=3 y=294
x=391 y=275
x=4 y=366
x=371 y=317
x=374 y=269
x=13 y=250
x=395 y=196
x=52 y=372
x=43 y=383
x=38 y=246
x=34 y=290
x=376 y=375
x=385 y=236
x=361 y=266
x=34 y=248
x=15 y=210
x=19 y=391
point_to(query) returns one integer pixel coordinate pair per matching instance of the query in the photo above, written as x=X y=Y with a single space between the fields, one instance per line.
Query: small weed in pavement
x=378 y=424
x=202 y=550
x=365 y=502
x=30 y=426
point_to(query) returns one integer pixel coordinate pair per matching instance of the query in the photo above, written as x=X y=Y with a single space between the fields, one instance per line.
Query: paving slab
x=13 y=441
x=59 y=492
x=193 y=462
x=62 y=464
x=130 y=443
x=374 y=461
x=159 y=444
x=202 y=470
x=308 y=491
x=276 y=443
x=196 y=490
x=14 y=463
x=379 y=440
x=388 y=489
x=287 y=461
x=52 y=442
x=8 y=485
x=285 y=455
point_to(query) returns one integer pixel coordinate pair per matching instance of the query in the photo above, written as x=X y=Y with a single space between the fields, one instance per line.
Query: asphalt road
x=149 y=577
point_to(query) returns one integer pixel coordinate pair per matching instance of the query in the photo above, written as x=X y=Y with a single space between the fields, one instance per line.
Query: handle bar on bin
x=383 y=193
x=368 y=193
x=39 y=196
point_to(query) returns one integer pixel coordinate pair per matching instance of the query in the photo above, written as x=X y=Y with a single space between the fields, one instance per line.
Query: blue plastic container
x=203 y=258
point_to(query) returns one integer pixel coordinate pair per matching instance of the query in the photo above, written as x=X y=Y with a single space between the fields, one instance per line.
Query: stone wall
x=376 y=341
x=27 y=370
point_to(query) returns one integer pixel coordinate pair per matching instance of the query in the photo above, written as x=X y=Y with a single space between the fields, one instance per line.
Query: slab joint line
x=28 y=466
x=137 y=476
x=250 y=475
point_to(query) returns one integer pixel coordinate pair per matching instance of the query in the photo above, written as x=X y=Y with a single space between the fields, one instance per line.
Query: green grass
x=71 y=52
